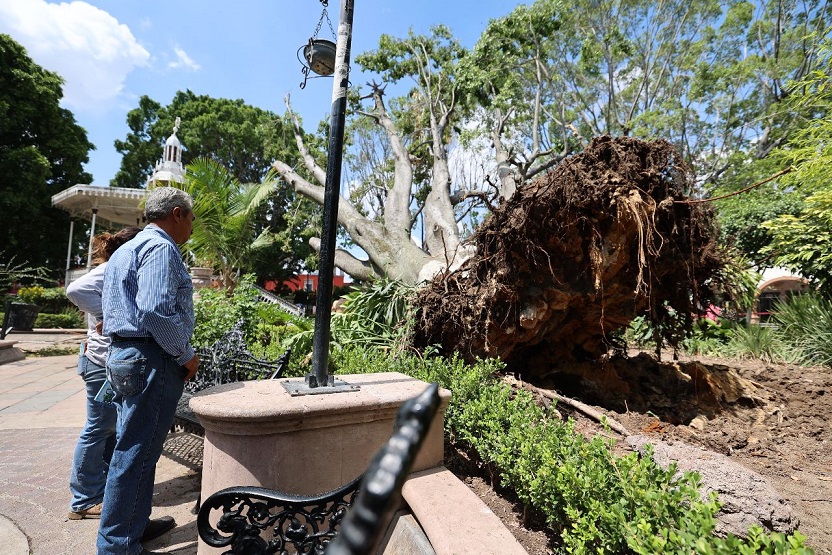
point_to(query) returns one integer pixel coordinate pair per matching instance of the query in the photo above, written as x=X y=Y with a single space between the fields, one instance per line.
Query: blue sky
x=111 y=52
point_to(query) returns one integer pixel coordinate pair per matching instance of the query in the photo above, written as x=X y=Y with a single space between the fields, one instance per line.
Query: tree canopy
x=229 y=146
x=709 y=77
x=42 y=152
x=801 y=240
x=240 y=137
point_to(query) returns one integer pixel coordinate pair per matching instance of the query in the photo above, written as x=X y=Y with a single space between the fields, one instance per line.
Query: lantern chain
x=324 y=15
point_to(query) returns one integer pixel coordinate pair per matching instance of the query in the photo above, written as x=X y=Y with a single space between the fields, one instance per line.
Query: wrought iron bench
x=350 y=520
x=226 y=361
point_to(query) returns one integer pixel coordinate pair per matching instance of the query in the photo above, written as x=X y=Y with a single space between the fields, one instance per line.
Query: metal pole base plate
x=310 y=387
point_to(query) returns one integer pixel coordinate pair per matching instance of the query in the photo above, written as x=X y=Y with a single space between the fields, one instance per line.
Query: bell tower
x=169 y=170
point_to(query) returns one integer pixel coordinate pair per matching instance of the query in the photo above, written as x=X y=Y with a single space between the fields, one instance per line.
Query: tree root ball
x=574 y=256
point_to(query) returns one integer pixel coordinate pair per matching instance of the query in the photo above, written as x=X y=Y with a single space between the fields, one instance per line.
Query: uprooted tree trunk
x=575 y=256
x=388 y=243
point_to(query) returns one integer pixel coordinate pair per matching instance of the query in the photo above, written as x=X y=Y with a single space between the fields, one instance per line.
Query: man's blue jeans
x=148 y=384
x=95 y=444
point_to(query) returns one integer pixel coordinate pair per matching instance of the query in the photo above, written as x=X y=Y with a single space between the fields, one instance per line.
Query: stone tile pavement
x=41 y=413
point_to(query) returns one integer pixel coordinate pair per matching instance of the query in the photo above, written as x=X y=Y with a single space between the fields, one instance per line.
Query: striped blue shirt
x=148 y=292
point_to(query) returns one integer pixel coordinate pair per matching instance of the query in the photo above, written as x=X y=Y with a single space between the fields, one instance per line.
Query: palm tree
x=226 y=233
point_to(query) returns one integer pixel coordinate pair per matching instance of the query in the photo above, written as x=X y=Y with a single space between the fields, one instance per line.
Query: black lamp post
x=317 y=55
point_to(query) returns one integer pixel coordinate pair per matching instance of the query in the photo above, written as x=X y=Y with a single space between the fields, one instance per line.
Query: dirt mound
x=575 y=256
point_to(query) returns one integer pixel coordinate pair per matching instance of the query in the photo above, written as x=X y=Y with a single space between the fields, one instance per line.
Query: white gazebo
x=117 y=206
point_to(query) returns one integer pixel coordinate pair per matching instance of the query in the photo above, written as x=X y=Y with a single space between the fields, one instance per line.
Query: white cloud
x=85 y=45
x=183 y=61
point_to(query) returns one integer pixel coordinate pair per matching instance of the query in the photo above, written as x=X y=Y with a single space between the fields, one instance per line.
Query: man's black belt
x=141 y=339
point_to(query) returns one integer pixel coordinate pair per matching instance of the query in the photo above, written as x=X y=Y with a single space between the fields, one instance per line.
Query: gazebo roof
x=116 y=205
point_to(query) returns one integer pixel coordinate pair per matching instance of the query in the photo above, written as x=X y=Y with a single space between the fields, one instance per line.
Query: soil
x=784 y=434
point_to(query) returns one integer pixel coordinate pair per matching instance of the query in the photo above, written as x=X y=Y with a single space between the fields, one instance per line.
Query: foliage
x=230 y=132
x=243 y=140
x=225 y=233
x=266 y=327
x=800 y=332
x=778 y=223
x=800 y=239
x=69 y=319
x=741 y=219
x=376 y=315
x=639 y=333
x=707 y=76
x=708 y=336
x=51 y=299
x=30 y=294
x=803 y=243
x=274 y=333
x=805 y=326
x=53 y=351
x=217 y=311
x=596 y=501
x=738 y=284
x=755 y=341
x=12 y=272
x=42 y=152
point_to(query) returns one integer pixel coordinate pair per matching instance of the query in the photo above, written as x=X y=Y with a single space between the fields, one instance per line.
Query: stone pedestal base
x=201 y=277
x=10 y=353
x=256 y=434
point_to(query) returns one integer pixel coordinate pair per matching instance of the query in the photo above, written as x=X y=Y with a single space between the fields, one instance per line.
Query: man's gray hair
x=161 y=201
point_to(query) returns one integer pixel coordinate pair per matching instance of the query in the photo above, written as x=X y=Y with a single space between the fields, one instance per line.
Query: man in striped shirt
x=149 y=316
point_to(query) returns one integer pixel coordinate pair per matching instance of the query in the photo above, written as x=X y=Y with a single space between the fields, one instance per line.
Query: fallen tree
x=576 y=255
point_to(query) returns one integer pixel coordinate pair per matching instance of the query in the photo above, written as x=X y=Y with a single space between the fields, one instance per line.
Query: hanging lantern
x=318 y=55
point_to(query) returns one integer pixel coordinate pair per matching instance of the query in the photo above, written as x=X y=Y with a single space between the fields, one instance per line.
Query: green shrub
x=217 y=312
x=30 y=295
x=755 y=341
x=596 y=501
x=709 y=337
x=375 y=316
x=12 y=271
x=266 y=327
x=49 y=299
x=640 y=334
x=805 y=327
x=70 y=319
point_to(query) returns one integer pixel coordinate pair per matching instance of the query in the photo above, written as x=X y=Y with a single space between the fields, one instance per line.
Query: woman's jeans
x=148 y=384
x=95 y=444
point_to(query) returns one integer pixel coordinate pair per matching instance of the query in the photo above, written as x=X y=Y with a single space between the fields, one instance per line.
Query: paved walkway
x=42 y=408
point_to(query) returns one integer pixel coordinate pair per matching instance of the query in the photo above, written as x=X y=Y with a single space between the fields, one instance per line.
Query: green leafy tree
x=242 y=140
x=42 y=152
x=802 y=242
x=710 y=77
x=236 y=135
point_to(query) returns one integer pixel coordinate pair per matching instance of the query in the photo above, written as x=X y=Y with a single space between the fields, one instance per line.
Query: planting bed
x=782 y=432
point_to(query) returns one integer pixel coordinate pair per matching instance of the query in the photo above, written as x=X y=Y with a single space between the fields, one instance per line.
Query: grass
x=54 y=351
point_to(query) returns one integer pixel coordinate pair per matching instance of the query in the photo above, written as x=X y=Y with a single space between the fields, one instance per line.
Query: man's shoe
x=158 y=526
x=91 y=512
